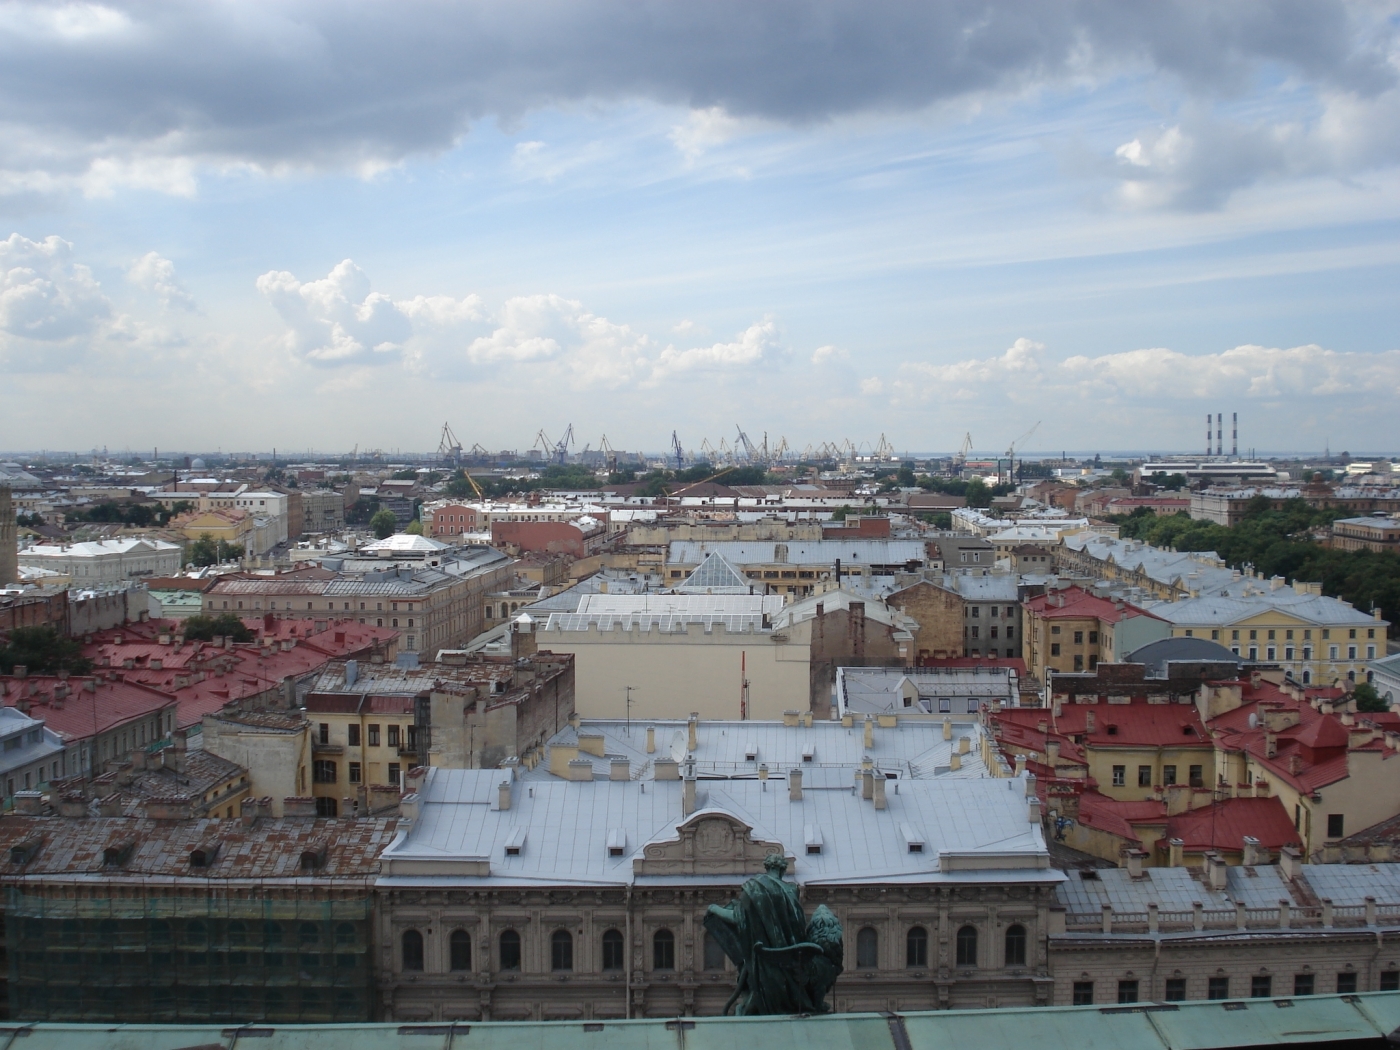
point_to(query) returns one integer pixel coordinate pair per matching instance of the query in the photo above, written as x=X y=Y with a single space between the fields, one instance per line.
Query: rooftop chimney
x=1175 y=848
x=651 y=740
x=688 y=801
x=955 y=761
x=1251 y=852
x=1290 y=862
x=1218 y=871
x=879 y=792
x=1135 y=859
x=1089 y=721
x=947 y=729
x=964 y=745
x=620 y=769
x=869 y=732
x=1033 y=810
x=691 y=739
x=795 y=785
x=503 y=795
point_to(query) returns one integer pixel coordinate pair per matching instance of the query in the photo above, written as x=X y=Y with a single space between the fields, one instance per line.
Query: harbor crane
x=449 y=448
x=676 y=446
x=1011 y=454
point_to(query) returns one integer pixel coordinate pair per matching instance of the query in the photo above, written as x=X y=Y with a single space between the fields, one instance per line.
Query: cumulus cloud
x=45 y=295
x=97 y=95
x=156 y=274
x=1157 y=375
x=340 y=321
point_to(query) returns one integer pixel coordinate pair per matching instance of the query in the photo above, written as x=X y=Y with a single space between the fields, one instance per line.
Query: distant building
x=323 y=510
x=105 y=561
x=9 y=565
x=1376 y=533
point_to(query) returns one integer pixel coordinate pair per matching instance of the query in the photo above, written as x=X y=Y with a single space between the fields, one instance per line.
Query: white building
x=106 y=561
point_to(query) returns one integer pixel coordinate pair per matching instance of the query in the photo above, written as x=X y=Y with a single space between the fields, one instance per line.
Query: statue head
x=775 y=864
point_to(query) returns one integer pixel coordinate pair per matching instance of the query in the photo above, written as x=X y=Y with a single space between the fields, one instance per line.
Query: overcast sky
x=243 y=225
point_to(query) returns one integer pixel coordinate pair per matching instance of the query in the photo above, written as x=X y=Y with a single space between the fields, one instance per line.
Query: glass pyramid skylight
x=714 y=575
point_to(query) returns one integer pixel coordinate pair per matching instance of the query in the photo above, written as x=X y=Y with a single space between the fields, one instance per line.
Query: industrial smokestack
x=1234 y=435
x=1208 y=435
x=1220 y=433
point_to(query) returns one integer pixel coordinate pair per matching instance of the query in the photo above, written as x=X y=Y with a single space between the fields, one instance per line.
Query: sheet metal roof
x=911 y=750
x=881 y=689
x=1172 y=889
x=1370 y=1016
x=800 y=552
x=624 y=605
x=567 y=824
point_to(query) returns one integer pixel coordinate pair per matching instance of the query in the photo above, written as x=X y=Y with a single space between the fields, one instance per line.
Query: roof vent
x=204 y=856
x=617 y=842
x=116 y=855
x=912 y=839
x=516 y=842
x=313 y=858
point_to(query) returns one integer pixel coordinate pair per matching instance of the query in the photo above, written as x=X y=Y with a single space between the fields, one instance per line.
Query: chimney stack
x=1135 y=859
x=620 y=769
x=947 y=729
x=1217 y=871
x=1251 y=852
x=688 y=801
x=795 y=785
x=651 y=740
x=879 y=792
x=869 y=732
x=964 y=745
x=1175 y=848
x=503 y=795
x=692 y=741
x=1033 y=810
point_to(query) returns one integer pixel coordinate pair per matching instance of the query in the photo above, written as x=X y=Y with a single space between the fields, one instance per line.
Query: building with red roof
x=1071 y=629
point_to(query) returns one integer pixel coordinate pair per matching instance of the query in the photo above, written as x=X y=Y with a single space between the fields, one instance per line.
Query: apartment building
x=104 y=562
x=1069 y=629
x=1378 y=532
x=795 y=567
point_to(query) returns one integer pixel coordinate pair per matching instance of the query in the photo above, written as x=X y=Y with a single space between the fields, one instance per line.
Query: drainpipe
x=627 y=959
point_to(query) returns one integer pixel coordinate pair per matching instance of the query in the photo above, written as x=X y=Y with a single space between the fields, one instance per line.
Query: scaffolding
x=226 y=956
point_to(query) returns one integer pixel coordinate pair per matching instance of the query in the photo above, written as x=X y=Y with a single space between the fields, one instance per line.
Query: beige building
x=9 y=566
x=100 y=562
x=943 y=888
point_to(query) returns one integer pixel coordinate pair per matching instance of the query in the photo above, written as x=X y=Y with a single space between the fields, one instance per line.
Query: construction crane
x=561 y=448
x=884 y=451
x=449 y=448
x=609 y=454
x=708 y=452
x=960 y=457
x=749 y=451
x=542 y=443
x=1011 y=454
x=676 y=446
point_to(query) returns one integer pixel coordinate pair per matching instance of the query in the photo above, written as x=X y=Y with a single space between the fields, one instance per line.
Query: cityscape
x=526 y=521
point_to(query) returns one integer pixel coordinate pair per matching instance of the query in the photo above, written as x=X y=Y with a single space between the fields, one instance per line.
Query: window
x=1390 y=981
x=323 y=733
x=1083 y=993
x=1008 y=635
x=1335 y=823
x=1261 y=986
x=1078 y=662
x=1331 y=652
x=412 y=953
x=1218 y=988
x=354 y=772
x=323 y=771
x=1054 y=648
x=395 y=775
x=1055 y=630
x=1234 y=636
x=1144 y=776
x=393 y=736
x=967 y=946
x=974 y=632
x=612 y=950
x=325 y=807
x=663 y=950
x=1176 y=990
x=1016 y=945
x=353 y=733
x=1303 y=984
x=373 y=736
x=867 y=948
x=461 y=950
x=1346 y=982
x=1078 y=637
x=1127 y=991
x=1195 y=776
x=1214 y=637
x=1169 y=774
x=916 y=947
x=510 y=950
x=1120 y=776
x=1093 y=637
x=945 y=705
x=561 y=951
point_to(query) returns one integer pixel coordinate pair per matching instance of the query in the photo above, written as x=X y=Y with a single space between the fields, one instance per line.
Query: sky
x=315 y=226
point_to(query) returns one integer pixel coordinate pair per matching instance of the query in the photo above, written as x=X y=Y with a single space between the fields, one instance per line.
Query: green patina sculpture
x=786 y=964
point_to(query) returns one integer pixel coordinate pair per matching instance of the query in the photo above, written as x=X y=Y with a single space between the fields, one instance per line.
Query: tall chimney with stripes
x=1234 y=435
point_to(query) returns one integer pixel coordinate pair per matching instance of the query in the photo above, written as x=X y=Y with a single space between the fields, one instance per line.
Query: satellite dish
x=1253 y=720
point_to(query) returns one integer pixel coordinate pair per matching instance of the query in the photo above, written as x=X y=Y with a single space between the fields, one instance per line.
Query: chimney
x=879 y=792
x=964 y=745
x=29 y=803
x=947 y=729
x=651 y=740
x=179 y=739
x=666 y=769
x=795 y=785
x=1218 y=871
x=691 y=738
x=298 y=806
x=867 y=783
x=1135 y=859
x=620 y=769
x=248 y=811
x=869 y=732
x=1030 y=784
x=503 y=795
x=1290 y=863
x=1295 y=763
x=138 y=760
x=1033 y=810
x=790 y=718
x=1251 y=852
x=580 y=769
x=1052 y=750
x=955 y=761
x=1270 y=745
x=1020 y=765
x=1088 y=721
x=688 y=803
x=1174 y=851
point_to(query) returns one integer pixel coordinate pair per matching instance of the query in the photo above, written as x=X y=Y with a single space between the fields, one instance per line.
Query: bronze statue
x=786 y=964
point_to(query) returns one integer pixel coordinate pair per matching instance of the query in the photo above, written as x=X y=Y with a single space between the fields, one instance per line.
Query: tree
x=1119 y=475
x=415 y=528
x=206 y=628
x=977 y=493
x=207 y=551
x=383 y=523
x=1367 y=699
x=43 y=651
x=1174 y=482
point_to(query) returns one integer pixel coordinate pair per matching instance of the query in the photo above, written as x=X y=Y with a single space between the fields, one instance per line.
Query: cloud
x=44 y=295
x=94 y=96
x=759 y=344
x=336 y=320
x=1152 y=377
x=156 y=274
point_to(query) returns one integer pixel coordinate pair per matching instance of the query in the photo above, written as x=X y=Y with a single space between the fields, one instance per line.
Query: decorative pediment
x=710 y=842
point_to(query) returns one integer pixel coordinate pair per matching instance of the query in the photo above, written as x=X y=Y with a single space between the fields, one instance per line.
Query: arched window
x=237 y=934
x=967 y=946
x=412 y=951
x=1016 y=945
x=345 y=935
x=160 y=931
x=272 y=934
x=867 y=948
x=612 y=950
x=461 y=950
x=510 y=950
x=916 y=947
x=561 y=950
x=663 y=950
x=310 y=935
x=714 y=953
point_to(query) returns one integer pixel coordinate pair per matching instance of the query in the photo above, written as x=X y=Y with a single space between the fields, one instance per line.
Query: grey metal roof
x=1351 y=884
x=1161 y=652
x=881 y=689
x=670 y=623
x=696 y=605
x=566 y=825
x=1172 y=889
x=915 y=749
x=1221 y=611
x=800 y=552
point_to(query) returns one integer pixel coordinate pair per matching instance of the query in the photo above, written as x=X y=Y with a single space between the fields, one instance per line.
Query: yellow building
x=230 y=525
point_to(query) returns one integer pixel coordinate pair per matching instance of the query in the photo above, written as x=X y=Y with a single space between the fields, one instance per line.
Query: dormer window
x=516 y=842
x=617 y=842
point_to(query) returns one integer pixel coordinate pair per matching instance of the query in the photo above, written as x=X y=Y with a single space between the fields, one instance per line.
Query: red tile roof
x=1224 y=825
x=1077 y=603
x=82 y=712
